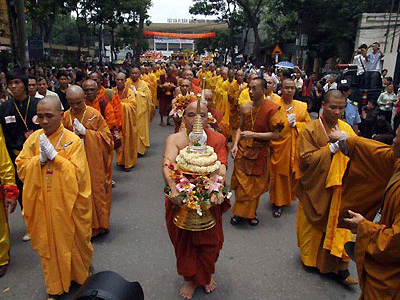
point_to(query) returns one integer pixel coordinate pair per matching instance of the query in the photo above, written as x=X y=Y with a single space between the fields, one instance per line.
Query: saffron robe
x=319 y=190
x=58 y=208
x=285 y=155
x=221 y=101
x=7 y=177
x=98 y=145
x=127 y=153
x=373 y=184
x=108 y=113
x=234 y=92
x=251 y=165
x=197 y=252
x=143 y=115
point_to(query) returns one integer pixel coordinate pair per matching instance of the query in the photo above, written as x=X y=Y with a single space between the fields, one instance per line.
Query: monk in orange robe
x=378 y=235
x=145 y=109
x=103 y=93
x=196 y=252
x=285 y=155
x=319 y=189
x=127 y=153
x=260 y=122
x=57 y=201
x=91 y=127
x=8 y=201
x=194 y=82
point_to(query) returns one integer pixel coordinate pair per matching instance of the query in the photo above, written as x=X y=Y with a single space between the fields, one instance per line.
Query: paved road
x=256 y=262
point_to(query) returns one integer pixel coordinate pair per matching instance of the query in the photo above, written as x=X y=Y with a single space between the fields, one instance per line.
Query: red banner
x=206 y=35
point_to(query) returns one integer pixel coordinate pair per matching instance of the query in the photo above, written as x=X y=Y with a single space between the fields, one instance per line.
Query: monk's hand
x=48 y=148
x=217 y=198
x=353 y=220
x=10 y=204
x=292 y=120
x=335 y=134
x=175 y=198
x=11 y=195
x=42 y=149
x=246 y=135
x=234 y=151
x=79 y=129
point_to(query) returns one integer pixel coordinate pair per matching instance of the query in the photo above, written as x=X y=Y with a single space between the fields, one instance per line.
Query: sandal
x=53 y=297
x=277 y=211
x=254 y=221
x=235 y=220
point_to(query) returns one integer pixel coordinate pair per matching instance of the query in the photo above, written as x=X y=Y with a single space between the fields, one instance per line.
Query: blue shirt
x=374 y=62
x=351 y=113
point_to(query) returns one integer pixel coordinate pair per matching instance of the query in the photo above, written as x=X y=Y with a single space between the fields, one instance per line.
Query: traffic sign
x=277 y=50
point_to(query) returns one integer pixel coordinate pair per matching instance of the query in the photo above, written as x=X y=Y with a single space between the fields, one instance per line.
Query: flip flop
x=254 y=221
x=277 y=211
x=235 y=220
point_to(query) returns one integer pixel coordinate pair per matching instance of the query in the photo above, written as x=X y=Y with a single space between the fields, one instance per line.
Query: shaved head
x=52 y=101
x=75 y=91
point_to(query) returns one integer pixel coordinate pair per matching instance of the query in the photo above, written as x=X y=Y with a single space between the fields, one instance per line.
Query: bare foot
x=210 y=287
x=187 y=290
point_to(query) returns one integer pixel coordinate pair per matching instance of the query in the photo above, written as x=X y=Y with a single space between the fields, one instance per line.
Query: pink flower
x=214 y=185
x=184 y=185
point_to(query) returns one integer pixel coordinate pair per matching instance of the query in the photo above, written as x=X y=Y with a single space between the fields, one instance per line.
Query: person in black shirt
x=63 y=80
x=18 y=118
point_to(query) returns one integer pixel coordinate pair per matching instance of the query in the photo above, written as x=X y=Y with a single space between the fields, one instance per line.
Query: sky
x=165 y=9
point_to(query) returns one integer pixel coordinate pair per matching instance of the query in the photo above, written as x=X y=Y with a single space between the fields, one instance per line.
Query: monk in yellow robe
x=153 y=87
x=285 y=155
x=319 y=189
x=57 y=201
x=244 y=96
x=8 y=201
x=221 y=101
x=91 y=127
x=145 y=109
x=378 y=235
x=127 y=153
x=234 y=92
x=260 y=122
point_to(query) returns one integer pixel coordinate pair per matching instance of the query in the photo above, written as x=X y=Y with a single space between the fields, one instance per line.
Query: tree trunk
x=138 y=51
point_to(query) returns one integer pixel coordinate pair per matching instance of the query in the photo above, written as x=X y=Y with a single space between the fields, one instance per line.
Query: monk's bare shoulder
x=246 y=107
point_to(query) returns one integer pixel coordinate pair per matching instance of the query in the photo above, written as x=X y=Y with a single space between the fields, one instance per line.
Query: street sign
x=35 y=47
x=277 y=50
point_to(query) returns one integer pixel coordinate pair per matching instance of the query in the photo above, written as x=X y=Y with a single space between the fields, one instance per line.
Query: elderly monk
x=91 y=127
x=145 y=108
x=127 y=153
x=57 y=201
x=378 y=234
x=319 y=189
x=194 y=82
x=285 y=155
x=93 y=99
x=196 y=252
x=8 y=200
x=260 y=122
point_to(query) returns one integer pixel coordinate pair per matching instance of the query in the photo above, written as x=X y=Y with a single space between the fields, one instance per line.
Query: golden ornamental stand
x=188 y=218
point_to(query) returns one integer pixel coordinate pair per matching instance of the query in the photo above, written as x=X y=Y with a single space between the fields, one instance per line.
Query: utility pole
x=16 y=19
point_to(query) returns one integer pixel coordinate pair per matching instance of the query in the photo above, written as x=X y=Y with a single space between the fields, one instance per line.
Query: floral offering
x=196 y=190
x=179 y=106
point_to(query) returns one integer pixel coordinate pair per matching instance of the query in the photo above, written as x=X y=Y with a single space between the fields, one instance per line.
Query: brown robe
x=372 y=168
x=197 y=252
x=251 y=167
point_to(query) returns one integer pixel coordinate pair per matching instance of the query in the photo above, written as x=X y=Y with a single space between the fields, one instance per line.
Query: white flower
x=229 y=195
x=199 y=212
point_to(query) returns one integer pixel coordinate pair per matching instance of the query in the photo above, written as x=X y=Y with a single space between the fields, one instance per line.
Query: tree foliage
x=122 y=20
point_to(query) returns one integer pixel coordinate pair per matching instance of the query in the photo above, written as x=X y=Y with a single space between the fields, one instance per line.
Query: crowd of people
x=60 y=128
